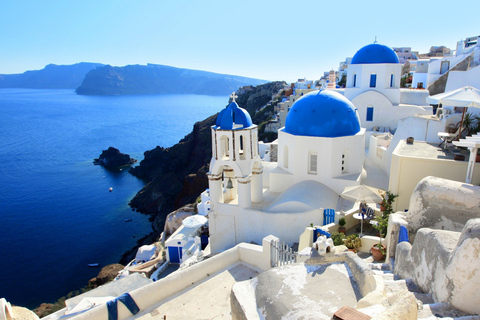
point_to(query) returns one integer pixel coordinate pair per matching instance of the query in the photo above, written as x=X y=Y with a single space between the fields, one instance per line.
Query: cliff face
x=177 y=175
x=158 y=79
x=51 y=77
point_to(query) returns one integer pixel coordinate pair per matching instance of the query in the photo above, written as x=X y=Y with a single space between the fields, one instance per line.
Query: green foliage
x=404 y=80
x=353 y=241
x=343 y=81
x=338 y=238
x=382 y=221
x=342 y=222
x=471 y=123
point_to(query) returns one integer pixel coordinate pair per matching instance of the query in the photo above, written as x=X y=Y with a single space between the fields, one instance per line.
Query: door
x=175 y=254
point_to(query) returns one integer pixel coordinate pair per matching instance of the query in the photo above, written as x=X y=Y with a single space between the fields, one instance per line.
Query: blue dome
x=322 y=114
x=233 y=117
x=375 y=53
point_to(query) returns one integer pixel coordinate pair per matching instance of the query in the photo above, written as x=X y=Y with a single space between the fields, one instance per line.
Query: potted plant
x=353 y=242
x=338 y=238
x=342 y=223
x=381 y=224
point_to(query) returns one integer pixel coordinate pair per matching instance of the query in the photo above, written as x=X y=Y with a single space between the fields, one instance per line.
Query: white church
x=321 y=151
x=373 y=86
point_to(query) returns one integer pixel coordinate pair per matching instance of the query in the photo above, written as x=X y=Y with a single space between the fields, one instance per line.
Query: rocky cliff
x=158 y=79
x=176 y=176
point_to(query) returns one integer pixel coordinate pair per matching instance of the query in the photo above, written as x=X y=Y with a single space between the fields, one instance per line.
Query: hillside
x=158 y=79
x=51 y=77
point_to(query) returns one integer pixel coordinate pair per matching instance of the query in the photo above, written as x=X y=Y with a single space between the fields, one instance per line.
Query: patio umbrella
x=463 y=97
x=195 y=221
x=362 y=193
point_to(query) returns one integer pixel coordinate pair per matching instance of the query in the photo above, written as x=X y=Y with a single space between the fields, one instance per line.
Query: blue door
x=328 y=216
x=175 y=254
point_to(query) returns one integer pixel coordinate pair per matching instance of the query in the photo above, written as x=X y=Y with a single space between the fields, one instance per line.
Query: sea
x=57 y=214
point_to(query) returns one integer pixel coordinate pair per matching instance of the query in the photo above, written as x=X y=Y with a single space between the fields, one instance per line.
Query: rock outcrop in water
x=112 y=158
x=158 y=79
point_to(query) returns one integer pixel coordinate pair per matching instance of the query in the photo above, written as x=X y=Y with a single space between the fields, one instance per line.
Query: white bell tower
x=235 y=175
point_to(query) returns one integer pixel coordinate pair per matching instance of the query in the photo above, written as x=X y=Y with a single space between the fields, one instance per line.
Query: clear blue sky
x=272 y=40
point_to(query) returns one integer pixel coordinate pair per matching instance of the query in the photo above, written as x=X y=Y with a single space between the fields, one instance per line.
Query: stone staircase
x=427 y=308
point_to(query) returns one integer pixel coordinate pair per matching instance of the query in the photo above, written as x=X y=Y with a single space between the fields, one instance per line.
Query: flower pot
x=353 y=250
x=377 y=252
x=342 y=229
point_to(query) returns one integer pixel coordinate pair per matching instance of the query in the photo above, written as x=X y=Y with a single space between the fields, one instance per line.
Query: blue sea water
x=57 y=214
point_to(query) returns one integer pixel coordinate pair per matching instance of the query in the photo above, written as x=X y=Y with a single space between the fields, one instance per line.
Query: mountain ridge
x=51 y=77
x=159 y=79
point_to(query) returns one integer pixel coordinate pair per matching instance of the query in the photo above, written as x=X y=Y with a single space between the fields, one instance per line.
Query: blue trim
x=403 y=234
x=373 y=80
x=369 y=114
x=127 y=300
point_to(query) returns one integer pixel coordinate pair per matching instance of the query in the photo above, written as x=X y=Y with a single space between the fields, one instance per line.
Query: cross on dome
x=233 y=96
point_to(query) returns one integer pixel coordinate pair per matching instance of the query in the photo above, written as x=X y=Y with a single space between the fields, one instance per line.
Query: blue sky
x=272 y=40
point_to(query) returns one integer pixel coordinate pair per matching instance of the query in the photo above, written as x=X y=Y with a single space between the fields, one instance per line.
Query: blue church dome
x=233 y=117
x=322 y=114
x=375 y=53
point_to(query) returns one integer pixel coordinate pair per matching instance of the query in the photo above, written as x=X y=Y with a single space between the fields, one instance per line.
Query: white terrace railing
x=281 y=254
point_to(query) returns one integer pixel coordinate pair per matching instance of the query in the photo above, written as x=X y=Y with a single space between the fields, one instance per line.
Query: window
x=391 y=80
x=373 y=80
x=369 y=113
x=344 y=162
x=224 y=147
x=241 y=151
x=285 y=157
x=354 y=80
x=312 y=165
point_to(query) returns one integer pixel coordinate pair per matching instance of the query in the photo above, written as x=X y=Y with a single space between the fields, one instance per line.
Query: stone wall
x=442 y=204
x=445 y=264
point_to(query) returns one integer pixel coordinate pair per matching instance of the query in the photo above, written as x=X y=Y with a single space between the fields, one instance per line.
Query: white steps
x=427 y=308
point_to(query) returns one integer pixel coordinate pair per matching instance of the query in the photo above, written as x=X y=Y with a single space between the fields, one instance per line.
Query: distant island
x=99 y=79
x=51 y=77
x=158 y=79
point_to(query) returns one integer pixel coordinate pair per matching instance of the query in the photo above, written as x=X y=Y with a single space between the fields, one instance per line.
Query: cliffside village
x=367 y=206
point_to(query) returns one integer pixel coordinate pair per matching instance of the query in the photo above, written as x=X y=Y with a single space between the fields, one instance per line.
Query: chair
x=447 y=137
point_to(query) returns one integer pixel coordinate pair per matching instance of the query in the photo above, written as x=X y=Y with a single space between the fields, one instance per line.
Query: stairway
x=427 y=308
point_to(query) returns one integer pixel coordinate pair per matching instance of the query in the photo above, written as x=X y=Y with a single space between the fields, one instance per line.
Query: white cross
x=233 y=96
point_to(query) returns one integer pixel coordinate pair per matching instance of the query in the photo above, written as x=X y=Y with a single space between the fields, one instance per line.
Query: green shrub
x=338 y=238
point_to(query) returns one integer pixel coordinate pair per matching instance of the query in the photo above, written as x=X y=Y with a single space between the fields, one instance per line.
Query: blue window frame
x=391 y=80
x=373 y=80
x=370 y=114
x=354 y=80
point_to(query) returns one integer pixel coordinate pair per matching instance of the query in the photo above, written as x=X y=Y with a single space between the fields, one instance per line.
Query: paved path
x=207 y=300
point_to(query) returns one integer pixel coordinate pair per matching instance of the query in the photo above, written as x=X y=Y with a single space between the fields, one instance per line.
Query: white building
x=321 y=151
x=373 y=86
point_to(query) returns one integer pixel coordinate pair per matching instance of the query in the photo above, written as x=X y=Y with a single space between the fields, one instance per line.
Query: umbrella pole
x=361 y=228
x=461 y=123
